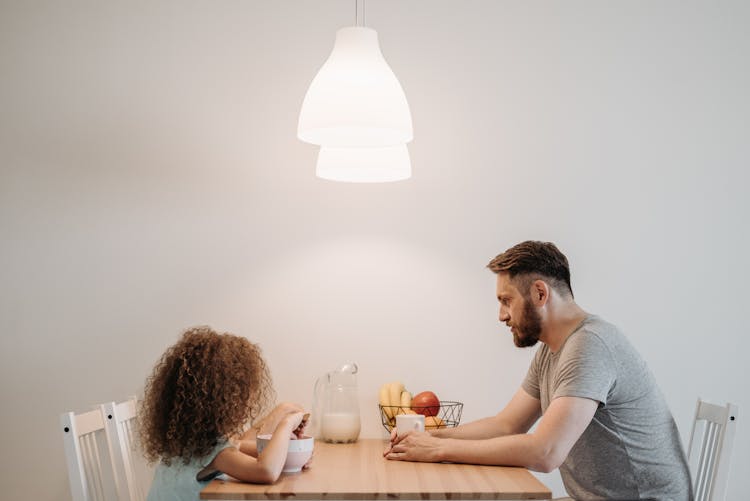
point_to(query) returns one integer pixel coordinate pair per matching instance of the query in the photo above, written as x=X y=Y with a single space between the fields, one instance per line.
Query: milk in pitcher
x=340 y=427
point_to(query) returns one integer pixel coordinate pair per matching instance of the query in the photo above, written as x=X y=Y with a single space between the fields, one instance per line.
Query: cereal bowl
x=298 y=453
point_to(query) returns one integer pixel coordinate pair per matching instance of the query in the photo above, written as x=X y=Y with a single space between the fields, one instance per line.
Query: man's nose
x=504 y=317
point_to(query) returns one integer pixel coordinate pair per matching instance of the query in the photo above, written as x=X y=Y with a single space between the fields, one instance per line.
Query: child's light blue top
x=177 y=482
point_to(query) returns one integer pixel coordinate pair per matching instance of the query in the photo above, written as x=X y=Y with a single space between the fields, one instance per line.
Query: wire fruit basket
x=448 y=416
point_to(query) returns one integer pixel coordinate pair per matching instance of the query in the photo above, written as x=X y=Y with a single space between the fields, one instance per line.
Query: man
x=604 y=423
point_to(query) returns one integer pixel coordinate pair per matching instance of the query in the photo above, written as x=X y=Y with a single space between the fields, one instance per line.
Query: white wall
x=151 y=180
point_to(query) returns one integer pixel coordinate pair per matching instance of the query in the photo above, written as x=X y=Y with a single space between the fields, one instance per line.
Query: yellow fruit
x=395 y=393
x=433 y=422
x=405 y=399
x=384 y=396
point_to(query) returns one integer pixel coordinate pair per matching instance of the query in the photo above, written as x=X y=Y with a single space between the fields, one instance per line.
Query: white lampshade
x=364 y=165
x=355 y=99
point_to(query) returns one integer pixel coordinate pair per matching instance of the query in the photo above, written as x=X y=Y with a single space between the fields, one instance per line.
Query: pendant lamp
x=356 y=110
x=355 y=99
x=364 y=165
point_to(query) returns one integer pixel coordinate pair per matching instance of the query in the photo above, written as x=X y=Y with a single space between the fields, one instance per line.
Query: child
x=197 y=401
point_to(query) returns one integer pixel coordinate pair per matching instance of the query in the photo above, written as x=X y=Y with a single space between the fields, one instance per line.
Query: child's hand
x=300 y=429
x=293 y=422
x=274 y=418
x=309 y=462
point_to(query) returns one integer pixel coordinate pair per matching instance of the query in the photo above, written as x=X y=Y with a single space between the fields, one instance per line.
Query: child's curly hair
x=205 y=387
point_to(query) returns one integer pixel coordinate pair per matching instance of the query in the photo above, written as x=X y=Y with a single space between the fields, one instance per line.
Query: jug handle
x=350 y=367
x=317 y=412
x=316 y=390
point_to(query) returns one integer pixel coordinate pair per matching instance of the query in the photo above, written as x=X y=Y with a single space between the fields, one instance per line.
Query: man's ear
x=539 y=292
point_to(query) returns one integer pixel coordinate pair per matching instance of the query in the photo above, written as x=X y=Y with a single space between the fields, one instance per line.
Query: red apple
x=426 y=403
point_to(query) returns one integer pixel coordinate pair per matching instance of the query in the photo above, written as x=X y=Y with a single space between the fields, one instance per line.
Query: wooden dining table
x=359 y=471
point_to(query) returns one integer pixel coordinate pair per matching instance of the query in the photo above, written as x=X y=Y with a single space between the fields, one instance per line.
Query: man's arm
x=543 y=450
x=517 y=417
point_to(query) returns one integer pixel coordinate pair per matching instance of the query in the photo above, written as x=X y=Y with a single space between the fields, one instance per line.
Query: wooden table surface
x=359 y=471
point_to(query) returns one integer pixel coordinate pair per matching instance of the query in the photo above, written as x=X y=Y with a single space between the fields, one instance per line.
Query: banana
x=395 y=393
x=394 y=399
x=405 y=399
x=384 y=398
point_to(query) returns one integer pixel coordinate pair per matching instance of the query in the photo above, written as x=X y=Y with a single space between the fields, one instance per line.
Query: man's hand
x=414 y=446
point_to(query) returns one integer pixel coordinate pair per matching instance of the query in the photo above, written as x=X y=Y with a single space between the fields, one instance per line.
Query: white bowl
x=298 y=453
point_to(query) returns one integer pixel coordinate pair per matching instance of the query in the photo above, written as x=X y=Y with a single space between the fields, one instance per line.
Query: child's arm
x=266 y=468
x=246 y=441
x=249 y=447
x=269 y=422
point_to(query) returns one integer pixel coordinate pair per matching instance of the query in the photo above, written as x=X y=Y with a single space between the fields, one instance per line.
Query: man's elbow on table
x=546 y=457
x=558 y=431
x=546 y=465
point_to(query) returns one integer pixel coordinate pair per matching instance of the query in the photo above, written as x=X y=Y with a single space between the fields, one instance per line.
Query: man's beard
x=529 y=327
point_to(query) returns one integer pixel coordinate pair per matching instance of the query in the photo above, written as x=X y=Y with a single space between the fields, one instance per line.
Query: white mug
x=409 y=422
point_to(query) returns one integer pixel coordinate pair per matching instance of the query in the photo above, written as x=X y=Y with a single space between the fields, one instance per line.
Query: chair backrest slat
x=132 y=473
x=90 y=474
x=710 y=449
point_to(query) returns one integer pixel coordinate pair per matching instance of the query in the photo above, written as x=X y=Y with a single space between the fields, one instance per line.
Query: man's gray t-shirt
x=631 y=449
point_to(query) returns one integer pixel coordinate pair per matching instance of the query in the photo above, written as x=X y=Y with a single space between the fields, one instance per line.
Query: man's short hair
x=532 y=260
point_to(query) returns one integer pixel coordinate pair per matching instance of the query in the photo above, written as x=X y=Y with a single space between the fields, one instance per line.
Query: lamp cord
x=356 y=13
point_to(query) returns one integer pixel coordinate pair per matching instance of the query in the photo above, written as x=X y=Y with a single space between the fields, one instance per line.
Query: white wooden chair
x=710 y=449
x=132 y=474
x=89 y=469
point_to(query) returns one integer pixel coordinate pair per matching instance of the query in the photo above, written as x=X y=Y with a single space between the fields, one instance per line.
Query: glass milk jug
x=336 y=406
